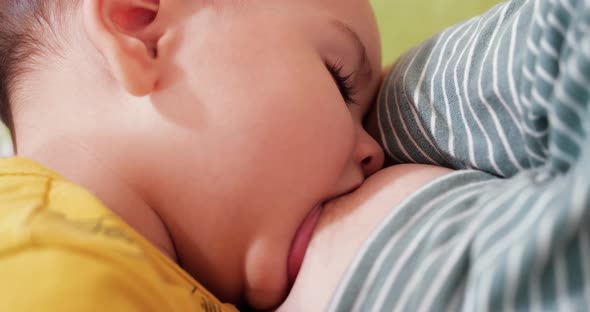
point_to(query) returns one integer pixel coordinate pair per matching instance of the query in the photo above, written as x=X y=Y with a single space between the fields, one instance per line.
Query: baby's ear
x=129 y=34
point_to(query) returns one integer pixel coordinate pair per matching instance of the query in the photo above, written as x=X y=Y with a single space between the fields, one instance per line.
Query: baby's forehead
x=316 y=20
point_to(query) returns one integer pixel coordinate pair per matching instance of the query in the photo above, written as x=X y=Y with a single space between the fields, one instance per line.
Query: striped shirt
x=502 y=97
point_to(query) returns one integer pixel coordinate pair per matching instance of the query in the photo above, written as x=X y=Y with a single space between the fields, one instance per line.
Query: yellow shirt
x=62 y=250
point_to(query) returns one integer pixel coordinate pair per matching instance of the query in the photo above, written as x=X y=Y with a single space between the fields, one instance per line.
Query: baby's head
x=229 y=120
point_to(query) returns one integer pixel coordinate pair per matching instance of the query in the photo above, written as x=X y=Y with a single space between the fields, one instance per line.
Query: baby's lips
x=301 y=242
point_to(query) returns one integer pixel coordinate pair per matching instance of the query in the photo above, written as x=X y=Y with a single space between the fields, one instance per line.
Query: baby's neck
x=108 y=181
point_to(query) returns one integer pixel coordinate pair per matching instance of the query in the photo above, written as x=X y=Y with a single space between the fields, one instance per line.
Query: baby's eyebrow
x=365 y=69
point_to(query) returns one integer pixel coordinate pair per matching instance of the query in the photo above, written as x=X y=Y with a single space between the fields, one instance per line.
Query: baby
x=216 y=130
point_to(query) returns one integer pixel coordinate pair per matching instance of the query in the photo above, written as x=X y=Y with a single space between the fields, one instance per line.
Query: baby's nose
x=369 y=154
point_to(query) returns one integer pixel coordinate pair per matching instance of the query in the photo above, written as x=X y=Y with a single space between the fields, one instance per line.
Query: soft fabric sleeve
x=456 y=100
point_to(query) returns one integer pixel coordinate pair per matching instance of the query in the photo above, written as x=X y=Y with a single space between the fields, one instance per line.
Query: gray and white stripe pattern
x=504 y=98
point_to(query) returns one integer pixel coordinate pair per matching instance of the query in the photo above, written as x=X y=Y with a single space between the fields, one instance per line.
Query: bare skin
x=345 y=224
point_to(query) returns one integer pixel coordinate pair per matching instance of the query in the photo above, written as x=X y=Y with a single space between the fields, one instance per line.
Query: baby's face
x=261 y=134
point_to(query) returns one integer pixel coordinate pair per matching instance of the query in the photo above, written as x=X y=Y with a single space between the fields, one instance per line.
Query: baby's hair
x=29 y=29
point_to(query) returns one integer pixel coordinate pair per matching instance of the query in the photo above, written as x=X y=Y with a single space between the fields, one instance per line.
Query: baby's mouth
x=303 y=237
x=301 y=241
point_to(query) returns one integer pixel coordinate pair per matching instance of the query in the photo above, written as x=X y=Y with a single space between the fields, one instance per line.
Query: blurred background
x=403 y=24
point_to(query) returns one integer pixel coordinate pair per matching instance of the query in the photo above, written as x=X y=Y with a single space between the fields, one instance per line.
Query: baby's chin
x=266 y=288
